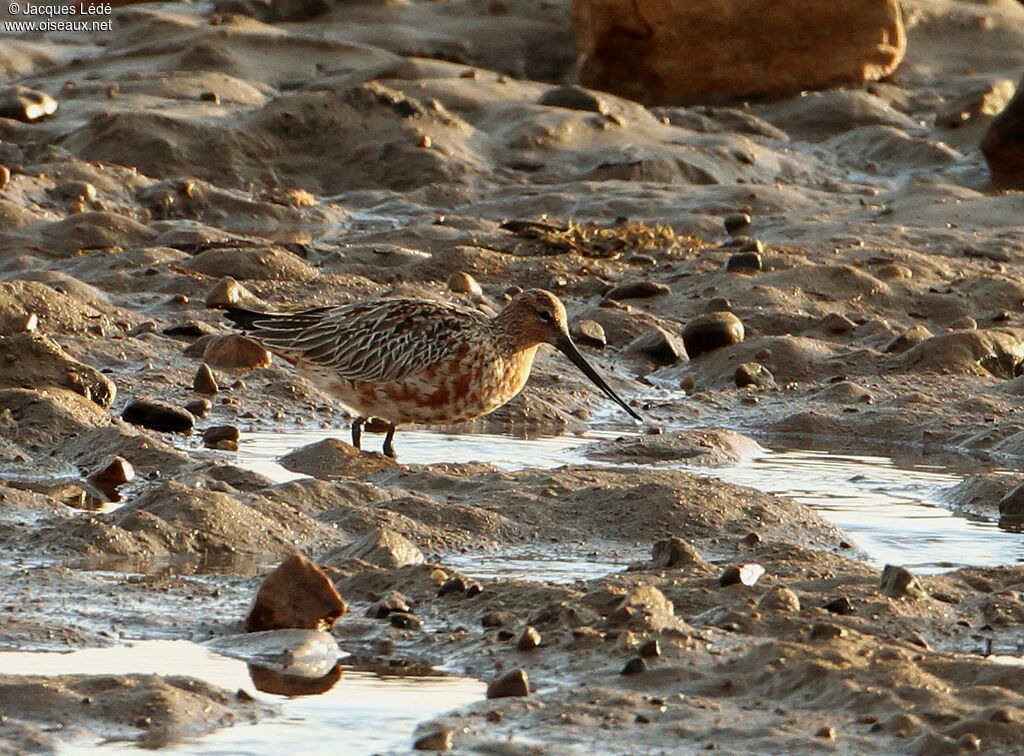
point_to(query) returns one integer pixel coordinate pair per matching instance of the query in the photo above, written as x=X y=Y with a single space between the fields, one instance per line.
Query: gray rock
x=658 y=346
x=511 y=684
x=158 y=416
x=714 y=330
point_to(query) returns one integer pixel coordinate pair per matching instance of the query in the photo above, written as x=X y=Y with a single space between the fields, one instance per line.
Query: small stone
x=827 y=732
x=392 y=602
x=715 y=330
x=688 y=384
x=840 y=605
x=205 y=382
x=198 y=407
x=334 y=459
x=425 y=142
x=463 y=283
x=5 y=176
x=227 y=292
x=650 y=648
x=190 y=330
x=405 y=621
x=451 y=586
x=659 y=345
x=733 y=222
x=747 y=573
x=753 y=246
x=836 y=323
x=718 y=304
x=114 y=473
x=28 y=323
x=215 y=435
x=966 y=323
x=750 y=540
x=753 y=374
x=589 y=333
x=638 y=290
x=826 y=631
x=158 y=416
x=744 y=262
x=473 y=589
x=779 y=598
x=898 y=582
x=209 y=97
x=496 y=619
x=634 y=666
x=674 y=552
x=296 y=594
x=24 y=104
x=529 y=639
x=511 y=684
x=909 y=338
x=235 y=351
x=435 y=741
x=76 y=190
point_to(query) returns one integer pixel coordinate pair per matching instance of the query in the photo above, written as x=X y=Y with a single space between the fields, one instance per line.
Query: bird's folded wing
x=380 y=341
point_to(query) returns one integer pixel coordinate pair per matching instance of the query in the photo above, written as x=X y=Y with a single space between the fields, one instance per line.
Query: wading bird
x=419 y=361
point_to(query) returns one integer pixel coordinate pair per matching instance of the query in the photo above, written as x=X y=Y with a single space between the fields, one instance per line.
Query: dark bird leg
x=389 y=447
x=357 y=431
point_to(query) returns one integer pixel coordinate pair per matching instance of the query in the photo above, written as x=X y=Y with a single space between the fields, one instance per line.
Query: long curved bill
x=566 y=347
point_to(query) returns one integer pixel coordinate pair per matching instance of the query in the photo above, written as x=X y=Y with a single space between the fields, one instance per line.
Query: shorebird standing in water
x=420 y=361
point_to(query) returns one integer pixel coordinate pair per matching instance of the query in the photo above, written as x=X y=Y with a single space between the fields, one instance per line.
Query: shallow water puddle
x=362 y=713
x=889 y=508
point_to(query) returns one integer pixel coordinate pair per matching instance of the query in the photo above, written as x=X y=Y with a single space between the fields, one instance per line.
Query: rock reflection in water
x=291 y=684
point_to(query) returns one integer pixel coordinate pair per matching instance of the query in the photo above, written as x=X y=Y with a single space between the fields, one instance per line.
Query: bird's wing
x=378 y=341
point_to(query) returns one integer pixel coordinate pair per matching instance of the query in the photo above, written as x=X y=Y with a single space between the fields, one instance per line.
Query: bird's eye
x=546 y=316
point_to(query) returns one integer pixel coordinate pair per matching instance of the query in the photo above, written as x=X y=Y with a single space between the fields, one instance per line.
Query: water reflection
x=347 y=710
x=889 y=506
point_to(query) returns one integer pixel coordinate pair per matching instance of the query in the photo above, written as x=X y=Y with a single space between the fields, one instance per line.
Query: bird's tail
x=245 y=319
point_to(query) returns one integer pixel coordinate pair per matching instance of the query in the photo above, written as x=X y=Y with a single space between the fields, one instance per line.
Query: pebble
x=221 y=437
x=158 y=416
x=511 y=684
x=825 y=631
x=463 y=283
x=435 y=741
x=189 y=330
x=205 y=382
x=827 y=732
x=661 y=346
x=836 y=323
x=227 y=292
x=1011 y=506
x=714 y=330
x=496 y=619
x=5 y=176
x=392 y=602
x=674 y=552
x=744 y=262
x=235 y=351
x=76 y=190
x=405 y=621
x=898 y=582
x=28 y=323
x=747 y=573
x=116 y=472
x=198 y=407
x=529 y=639
x=909 y=338
x=779 y=599
x=589 y=333
x=650 y=648
x=24 y=104
x=733 y=222
x=840 y=605
x=456 y=584
x=753 y=374
x=382 y=547
x=634 y=666
x=638 y=290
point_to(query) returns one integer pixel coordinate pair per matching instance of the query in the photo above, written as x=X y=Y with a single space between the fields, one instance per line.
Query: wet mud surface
x=867 y=296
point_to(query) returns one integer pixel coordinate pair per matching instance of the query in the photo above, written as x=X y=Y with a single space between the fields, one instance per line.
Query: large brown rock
x=297 y=594
x=661 y=52
x=1003 y=144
